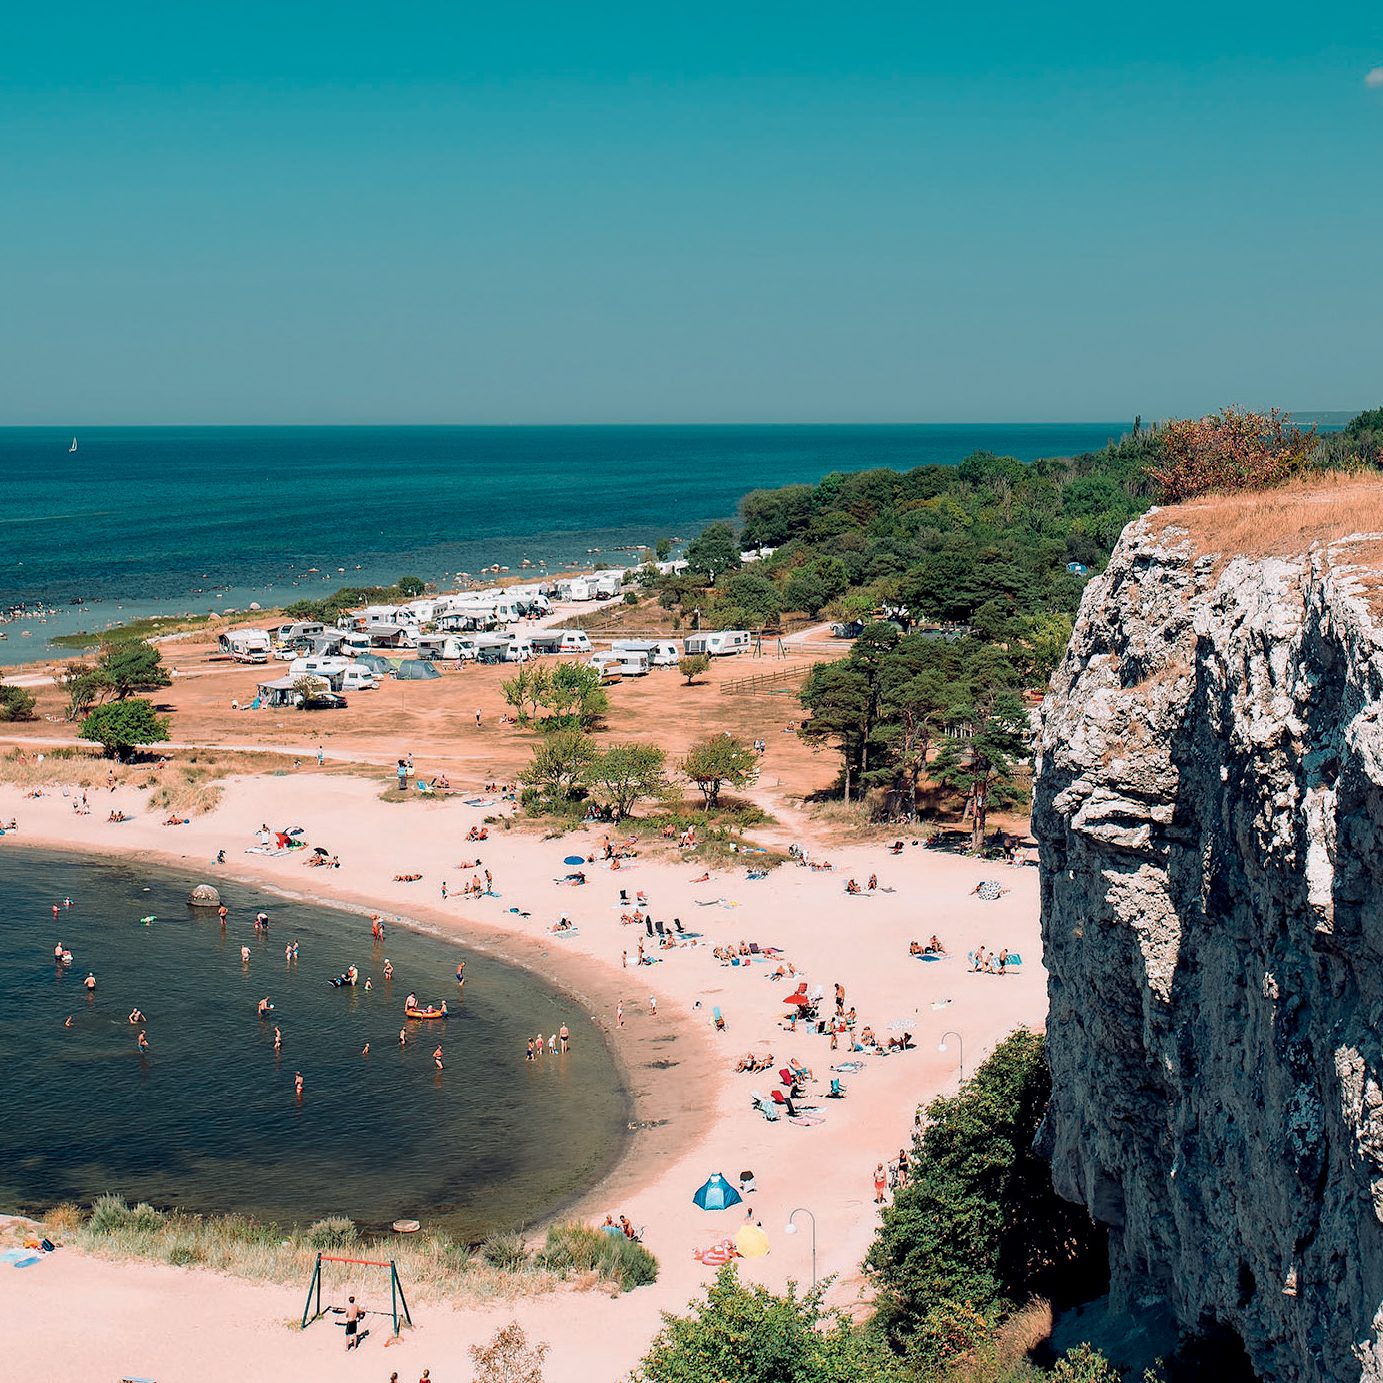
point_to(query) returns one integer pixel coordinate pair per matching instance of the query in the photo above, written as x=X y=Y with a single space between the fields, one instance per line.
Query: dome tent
x=416 y=670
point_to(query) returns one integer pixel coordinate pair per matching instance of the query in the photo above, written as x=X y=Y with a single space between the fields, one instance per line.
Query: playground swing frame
x=398 y=1302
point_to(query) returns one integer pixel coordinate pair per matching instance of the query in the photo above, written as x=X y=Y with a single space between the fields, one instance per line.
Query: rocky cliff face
x=1209 y=807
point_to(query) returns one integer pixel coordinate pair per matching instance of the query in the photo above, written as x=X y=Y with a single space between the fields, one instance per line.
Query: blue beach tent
x=717 y=1194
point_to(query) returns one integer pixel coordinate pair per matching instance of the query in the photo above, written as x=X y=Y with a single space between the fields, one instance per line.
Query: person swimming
x=244 y=955
x=142 y=1042
x=388 y=968
x=137 y=1017
x=265 y=1007
x=298 y=1084
x=60 y=948
x=90 y=983
x=437 y=1057
x=278 y=1040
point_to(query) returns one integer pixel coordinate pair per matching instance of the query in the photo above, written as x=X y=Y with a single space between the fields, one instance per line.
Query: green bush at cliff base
x=978 y=1227
x=576 y=1248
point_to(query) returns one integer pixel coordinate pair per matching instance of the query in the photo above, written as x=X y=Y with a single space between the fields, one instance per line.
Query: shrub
x=575 y=1248
x=110 y=1215
x=16 y=703
x=1229 y=451
x=122 y=726
x=505 y=1251
x=334 y=1232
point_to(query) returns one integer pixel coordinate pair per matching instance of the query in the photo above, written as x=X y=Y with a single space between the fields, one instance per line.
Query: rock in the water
x=1209 y=806
x=204 y=896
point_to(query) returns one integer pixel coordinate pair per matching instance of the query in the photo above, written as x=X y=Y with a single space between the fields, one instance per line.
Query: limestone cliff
x=1209 y=807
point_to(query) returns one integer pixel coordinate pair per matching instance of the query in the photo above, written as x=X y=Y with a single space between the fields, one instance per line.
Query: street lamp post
x=960 y=1047
x=791 y=1228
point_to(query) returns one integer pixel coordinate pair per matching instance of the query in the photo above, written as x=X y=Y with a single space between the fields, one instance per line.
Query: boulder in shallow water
x=204 y=896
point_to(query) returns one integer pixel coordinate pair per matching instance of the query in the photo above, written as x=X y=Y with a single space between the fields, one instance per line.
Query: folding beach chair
x=837 y=1091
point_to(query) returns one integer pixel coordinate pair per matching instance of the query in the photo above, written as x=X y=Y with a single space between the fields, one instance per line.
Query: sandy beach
x=694 y=1112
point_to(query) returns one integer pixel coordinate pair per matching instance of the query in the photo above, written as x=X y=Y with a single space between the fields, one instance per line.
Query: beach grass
x=152 y=627
x=432 y=1265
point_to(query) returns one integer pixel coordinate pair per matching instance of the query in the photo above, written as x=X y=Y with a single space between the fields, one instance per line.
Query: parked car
x=323 y=701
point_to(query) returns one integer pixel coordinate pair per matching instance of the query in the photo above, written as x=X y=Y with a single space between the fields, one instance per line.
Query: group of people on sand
x=852 y=887
x=478 y=833
x=559 y=1042
x=620 y=1226
x=988 y=962
x=932 y=948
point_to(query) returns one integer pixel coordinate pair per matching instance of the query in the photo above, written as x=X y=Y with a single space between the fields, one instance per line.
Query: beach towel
x=849 y=1066
x=989 y=890
x=926 y=957
x=270 y=850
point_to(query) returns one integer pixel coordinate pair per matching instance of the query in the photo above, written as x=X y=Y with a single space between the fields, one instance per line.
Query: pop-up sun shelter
x=716 y=1194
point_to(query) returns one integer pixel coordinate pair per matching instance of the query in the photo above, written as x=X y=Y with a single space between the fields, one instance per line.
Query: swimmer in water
x=298 y=1084
x=142 y=1042
x=244 y=955
x=68 y=1023
x=365 y=1050
x=264 y=1006
x=223 y=912
x=443 y=1009
x=388 y=968
x=288 y=951
x=403 y=1037
x=262 y=922
x=137 y=1017
x=369 y=984
x=437 y=1057
x=57 y=952
x=278 y=1040
x=90 y=983
x=461 y=973
x=411 y=1001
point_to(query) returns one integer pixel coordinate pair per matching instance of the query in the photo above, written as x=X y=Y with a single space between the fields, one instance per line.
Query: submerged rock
x=1209 y=807
x=204 y=896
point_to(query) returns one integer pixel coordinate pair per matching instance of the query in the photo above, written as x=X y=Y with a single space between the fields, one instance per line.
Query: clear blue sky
x=348 y=212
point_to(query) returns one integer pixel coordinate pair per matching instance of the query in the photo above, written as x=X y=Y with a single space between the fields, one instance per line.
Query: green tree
x=15 y=703
x=83 y=686
x=625 y=774
x=527 y=689
x=120 y=727
x=913 y=706
x=693 y=665
x=983 y=763
x=662 y=549
x=125 y=668
x=1085 y=1364
x=739 y=1333
x=714 y=762
x=842 y=705
x=561 y=766
x=410 y=587
x=574 y=693
x=747 y=600
x=714 y=552
x=977 y=1225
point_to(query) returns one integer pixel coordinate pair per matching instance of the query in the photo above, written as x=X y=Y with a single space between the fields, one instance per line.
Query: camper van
x=659 y=652
x=339 y=673
x=246 y=645
x=719 y=644
x=625 y=663
x=560 y=641
x=355 y=643
x=490 y=648
x=444 y=646
x=299 y=629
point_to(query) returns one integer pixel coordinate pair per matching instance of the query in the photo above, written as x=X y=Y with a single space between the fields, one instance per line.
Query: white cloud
x=1374 y=78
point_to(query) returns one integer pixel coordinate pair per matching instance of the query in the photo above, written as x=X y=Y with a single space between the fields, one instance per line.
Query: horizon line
x=954 y=422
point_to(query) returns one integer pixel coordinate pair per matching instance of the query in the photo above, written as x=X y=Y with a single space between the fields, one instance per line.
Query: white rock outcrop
x=1209 y=806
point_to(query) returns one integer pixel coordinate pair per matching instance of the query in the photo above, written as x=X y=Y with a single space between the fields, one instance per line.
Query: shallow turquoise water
x=208 y=1120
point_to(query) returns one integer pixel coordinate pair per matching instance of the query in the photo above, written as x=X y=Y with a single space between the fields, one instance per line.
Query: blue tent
x=717 y=1194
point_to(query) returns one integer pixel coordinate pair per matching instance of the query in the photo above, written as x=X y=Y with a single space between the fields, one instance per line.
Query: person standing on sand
x=619 y=1014
x=653 y=1005
x=477 y=720
x=880 y=1184
x=352 y=1323
x=321 y=757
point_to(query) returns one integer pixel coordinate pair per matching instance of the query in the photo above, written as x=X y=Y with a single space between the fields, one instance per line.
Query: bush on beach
x=577 y=1248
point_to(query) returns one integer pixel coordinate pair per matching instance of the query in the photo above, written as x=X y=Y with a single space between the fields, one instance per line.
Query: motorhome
x=625 y=663
x=246 y=645
x=444 y=646
x=560 y=641
x=659 y=652
x=392 y=635
x=340 y=674
x=719 y=643
x=490 y=648
x=298 y=629
x=519 y=651
x=605 y=584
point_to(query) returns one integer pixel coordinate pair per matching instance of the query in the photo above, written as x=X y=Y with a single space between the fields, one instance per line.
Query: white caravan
x=721 y=643
x=659 y=652
x=246 y=645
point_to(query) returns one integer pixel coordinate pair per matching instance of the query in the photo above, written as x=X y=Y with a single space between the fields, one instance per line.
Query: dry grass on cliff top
x=1283 y=522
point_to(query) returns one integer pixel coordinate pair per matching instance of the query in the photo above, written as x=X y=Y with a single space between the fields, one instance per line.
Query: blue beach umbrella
x=717 y=1194
x=575 y=859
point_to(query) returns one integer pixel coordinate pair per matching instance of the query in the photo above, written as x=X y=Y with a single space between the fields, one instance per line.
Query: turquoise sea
x=168 y=520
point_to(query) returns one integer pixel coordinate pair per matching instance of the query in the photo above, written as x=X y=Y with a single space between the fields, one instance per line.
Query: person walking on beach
x=619 y=1014
x=321 y=758
x=880 y=1184
x=477 y=719
x=653 y=1005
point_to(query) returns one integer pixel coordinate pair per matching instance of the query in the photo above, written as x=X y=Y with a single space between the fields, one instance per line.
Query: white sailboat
x=73 y=447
